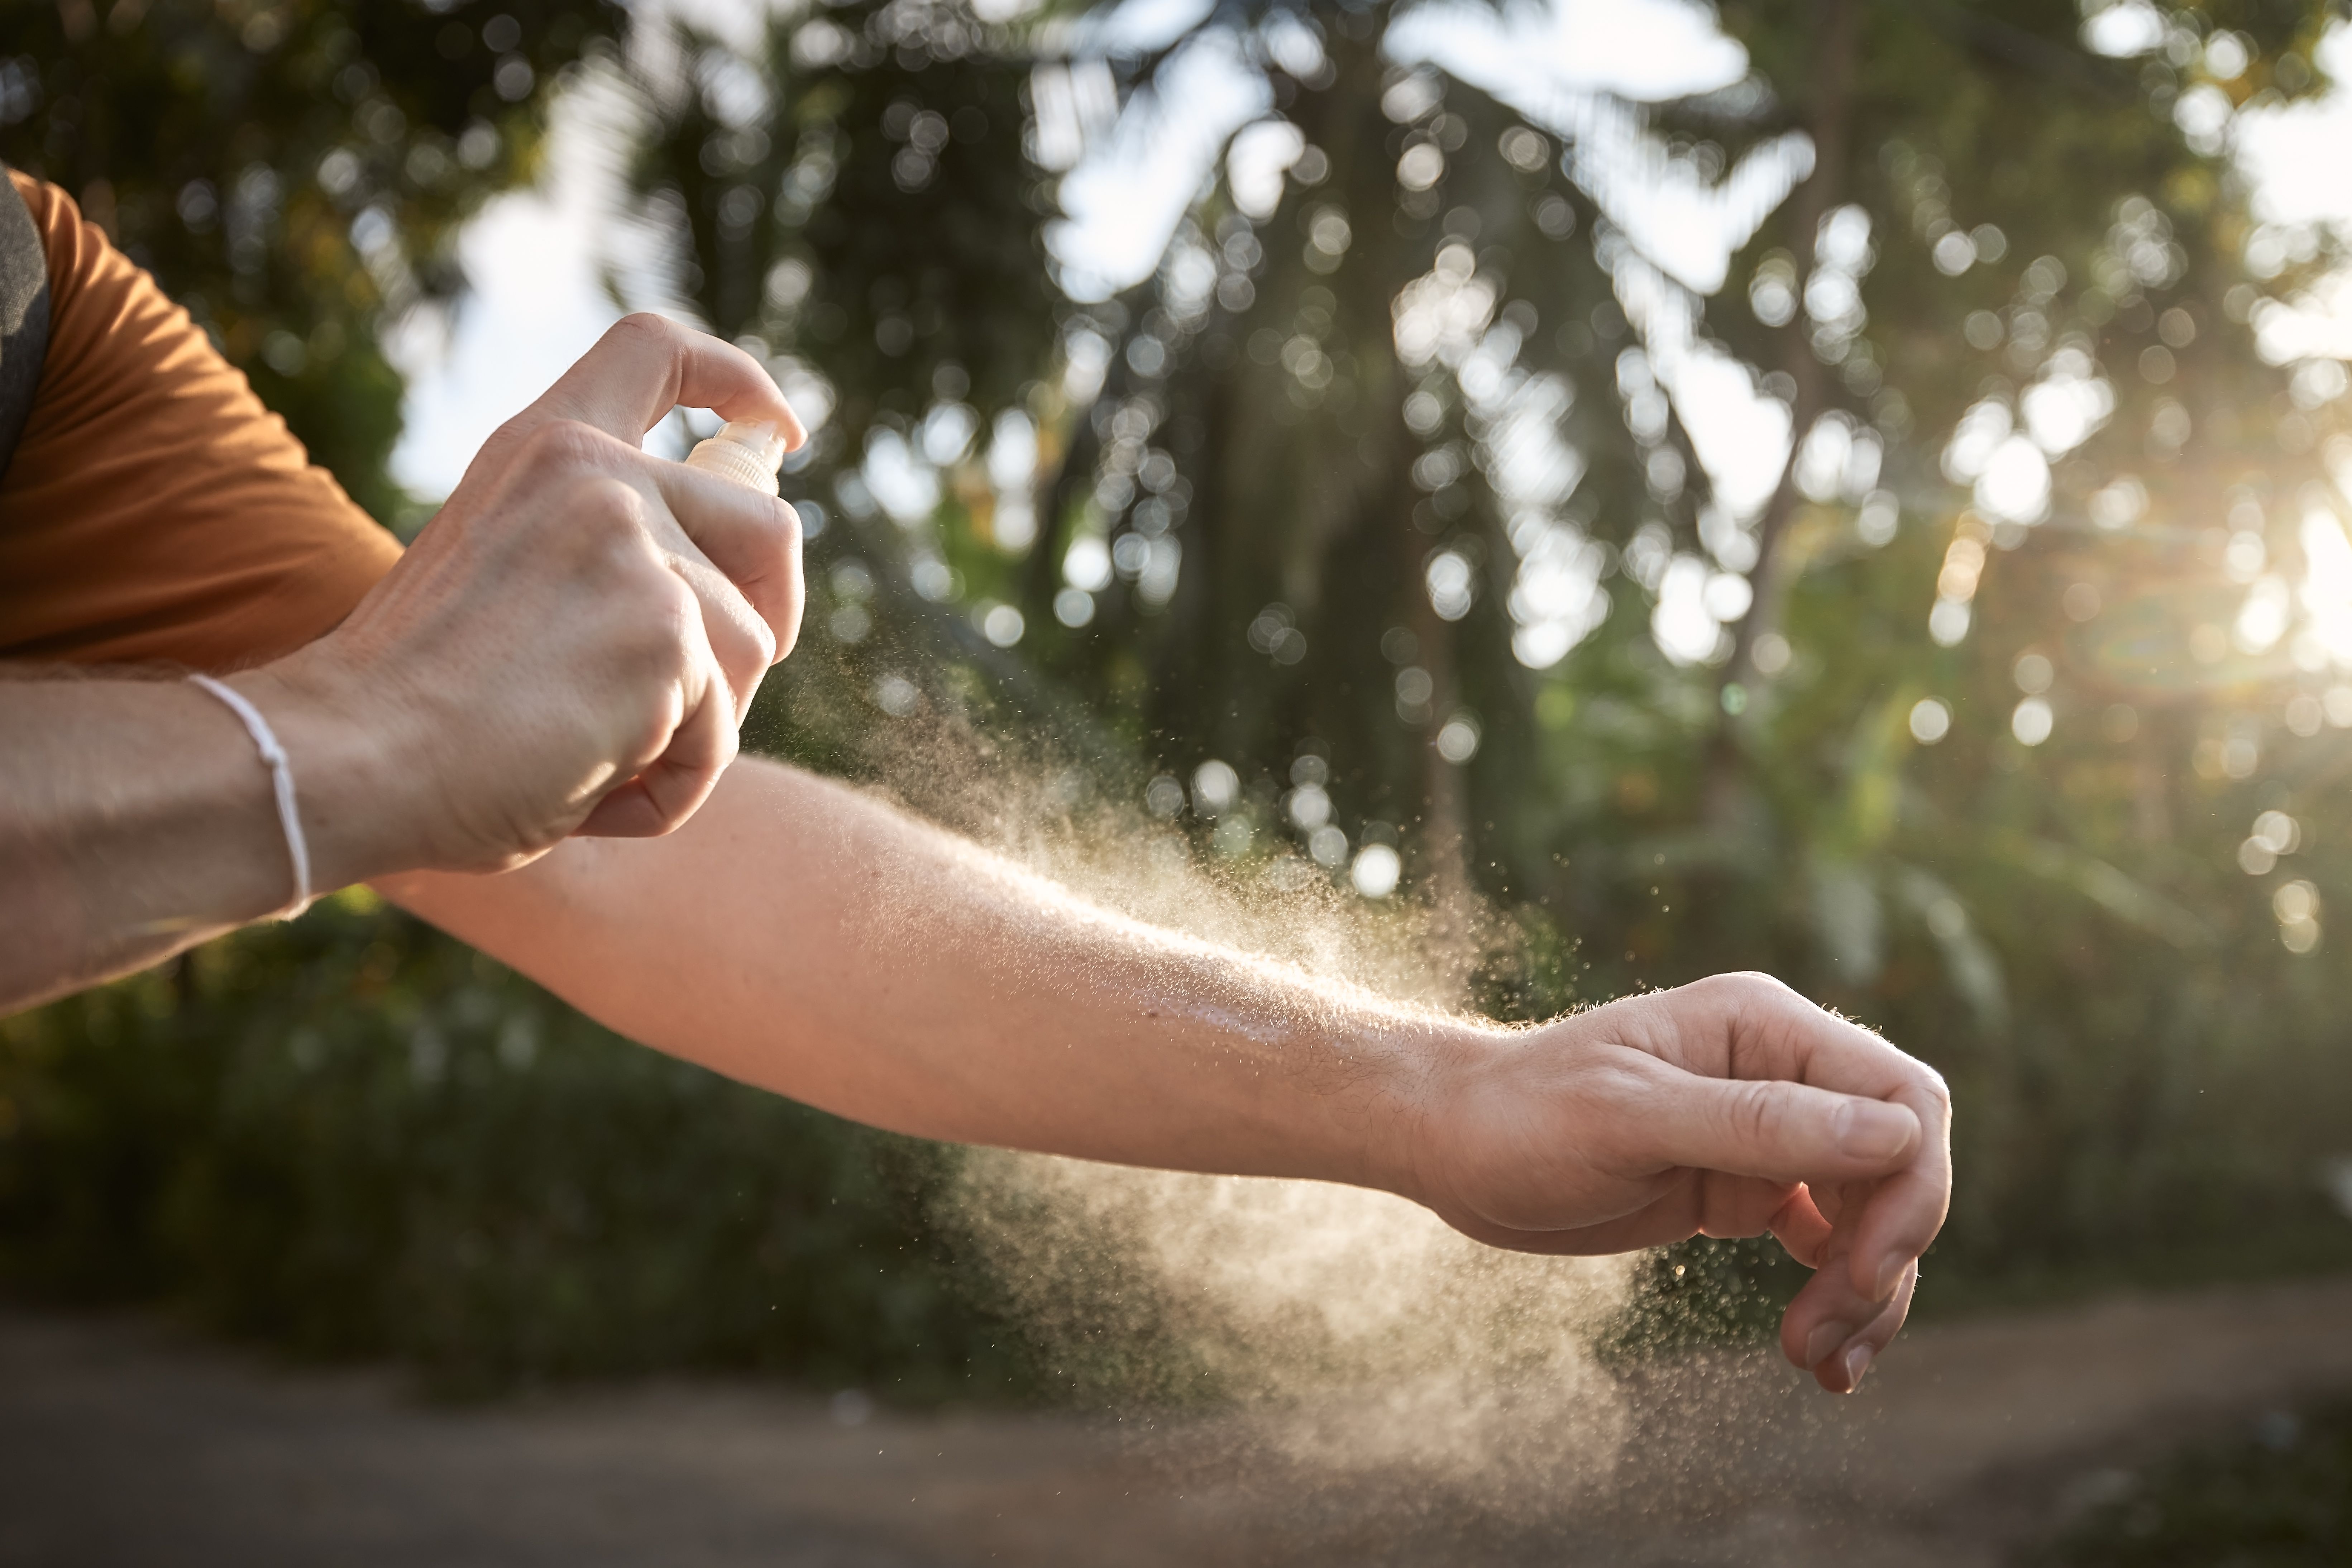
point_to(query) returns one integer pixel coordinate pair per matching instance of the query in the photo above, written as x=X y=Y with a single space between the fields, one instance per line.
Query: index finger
x=645 y=365
x=1777 y=1034
x=754 y=540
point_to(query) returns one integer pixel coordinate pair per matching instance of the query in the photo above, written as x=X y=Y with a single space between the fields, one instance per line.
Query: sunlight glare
x=2328 y=584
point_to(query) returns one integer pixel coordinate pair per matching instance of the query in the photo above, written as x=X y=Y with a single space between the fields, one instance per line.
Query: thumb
x=645 y=365
x=1781 y=1132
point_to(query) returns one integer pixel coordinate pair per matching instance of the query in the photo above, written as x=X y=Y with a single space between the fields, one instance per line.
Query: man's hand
x=1730 y=1107
x=570 y=644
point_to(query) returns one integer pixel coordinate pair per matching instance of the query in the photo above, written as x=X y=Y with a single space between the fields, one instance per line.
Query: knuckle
x=1752 y=1000
x=645 y=597
x=763 y=640
x=1753 y=1113
x=1615 y=1082
x=645 y=326
x=507 y=438
x=645 y=732
x=606 y=518
x=604 y=497
x=1631 y=1099
x=788 y=631
x=779 y=573
x=672 y=609
x=1731 y=989
x=1757 y=988
x=561 y=445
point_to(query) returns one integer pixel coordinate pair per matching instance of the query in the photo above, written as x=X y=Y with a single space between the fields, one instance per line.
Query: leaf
x=2120 y=895
x=1971 y=964
x=1849 y=918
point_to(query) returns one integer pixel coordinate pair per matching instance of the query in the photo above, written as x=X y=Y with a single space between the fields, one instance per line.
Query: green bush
x=2281 y=1498
x=352 y=1136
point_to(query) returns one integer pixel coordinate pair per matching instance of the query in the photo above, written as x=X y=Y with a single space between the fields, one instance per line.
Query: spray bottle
x=745 y=452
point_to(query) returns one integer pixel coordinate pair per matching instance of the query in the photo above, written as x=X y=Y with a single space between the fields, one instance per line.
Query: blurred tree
x=350 y=1135
x=1399 y=491
x=1389 y=507
x=293 y=172
x=1350 y=400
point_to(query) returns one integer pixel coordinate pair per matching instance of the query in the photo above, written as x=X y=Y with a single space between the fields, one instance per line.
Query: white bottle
x=745 y=452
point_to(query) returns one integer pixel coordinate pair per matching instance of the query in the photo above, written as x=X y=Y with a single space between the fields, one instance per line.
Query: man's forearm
x=135 y=819
x=138 y=819
x=805 y=938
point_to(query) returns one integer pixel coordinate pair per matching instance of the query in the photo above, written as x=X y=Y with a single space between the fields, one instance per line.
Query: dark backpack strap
x=24 y=315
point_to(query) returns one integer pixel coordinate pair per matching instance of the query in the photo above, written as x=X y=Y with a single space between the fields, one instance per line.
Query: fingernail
x=1857 y=1361
x=1825 y=1339
x=1890 y=1274
x=1874 y=1130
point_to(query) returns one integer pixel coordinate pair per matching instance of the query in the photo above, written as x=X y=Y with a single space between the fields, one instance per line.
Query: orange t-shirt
x=153 y=509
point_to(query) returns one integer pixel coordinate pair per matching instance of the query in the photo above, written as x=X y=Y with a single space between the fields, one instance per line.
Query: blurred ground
x=121 y=1443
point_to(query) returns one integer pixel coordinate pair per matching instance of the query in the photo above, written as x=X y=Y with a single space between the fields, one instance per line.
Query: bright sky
x=2296 y=153
x=537 y=299
x=535 y=258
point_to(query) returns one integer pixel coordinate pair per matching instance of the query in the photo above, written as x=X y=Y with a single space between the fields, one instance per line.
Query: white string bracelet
x=281 y=779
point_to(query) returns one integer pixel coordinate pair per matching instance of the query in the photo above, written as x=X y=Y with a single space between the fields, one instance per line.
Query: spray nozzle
x=745 y=452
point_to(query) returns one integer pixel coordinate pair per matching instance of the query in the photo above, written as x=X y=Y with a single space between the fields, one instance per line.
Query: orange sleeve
x=153 y=509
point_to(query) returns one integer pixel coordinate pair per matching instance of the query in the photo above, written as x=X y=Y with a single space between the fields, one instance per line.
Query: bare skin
x=569 y=647
x=805 y=938
x=525 y=735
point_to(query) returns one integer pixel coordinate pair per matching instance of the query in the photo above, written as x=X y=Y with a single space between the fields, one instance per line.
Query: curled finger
x=1842 y=1368
x=740 y=641
x=1801 y=1228
x=645 y=365
x=673 y=785
x=753 y=539
x=1829 y=1312
x=1780 y=1035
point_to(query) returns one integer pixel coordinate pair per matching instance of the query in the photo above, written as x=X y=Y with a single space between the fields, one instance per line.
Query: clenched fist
x=570 y=644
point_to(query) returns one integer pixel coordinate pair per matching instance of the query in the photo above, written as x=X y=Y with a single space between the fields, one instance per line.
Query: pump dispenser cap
x=745 y=451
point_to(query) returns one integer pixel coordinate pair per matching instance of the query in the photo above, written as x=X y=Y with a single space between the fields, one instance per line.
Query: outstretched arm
x=801 y=936
x=567 y=650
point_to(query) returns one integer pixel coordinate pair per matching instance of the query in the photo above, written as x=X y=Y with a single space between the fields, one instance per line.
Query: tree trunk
x=1444 y=846
x=1837 y=29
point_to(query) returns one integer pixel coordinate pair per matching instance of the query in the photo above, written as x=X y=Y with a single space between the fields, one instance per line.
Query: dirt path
x=121 y=1445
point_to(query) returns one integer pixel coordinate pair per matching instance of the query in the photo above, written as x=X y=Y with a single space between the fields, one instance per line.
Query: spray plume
x=1354 y=1333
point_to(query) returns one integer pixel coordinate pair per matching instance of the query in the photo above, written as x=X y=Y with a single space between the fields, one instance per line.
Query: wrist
x=343 y=769
x=1431 y=1060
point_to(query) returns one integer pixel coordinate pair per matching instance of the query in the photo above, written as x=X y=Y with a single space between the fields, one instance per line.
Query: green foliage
x=2144 y=1059
x=878 y=202
x=2279 y=1498
x=350 y=1136
x=293 y=171
x=1408 y=453
x=2064 y=924
x=1704 y=1292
